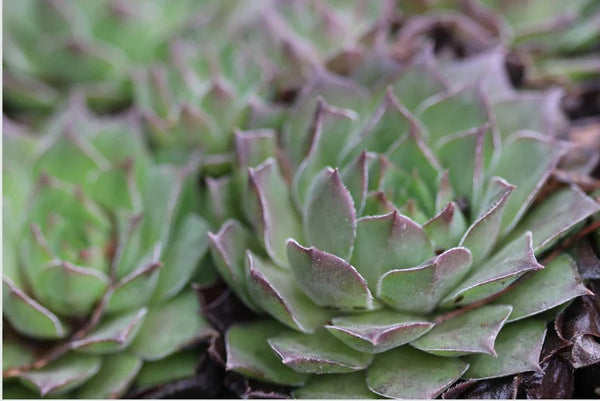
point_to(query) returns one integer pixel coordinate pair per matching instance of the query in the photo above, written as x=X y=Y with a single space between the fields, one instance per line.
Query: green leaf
x=254 y=147
x=328 y=280
x=495 y=274
x=70 y=290
x=113 y=378
x=518 y=348
x=174 y=367
x=532 y=152
x=170 y=327
x=446 y=228
x=378 y=331
x=181 y=259
x=228 y=249
x=29 y=317
x=474 y=331
x=407 y=373
x=318 y=353
x=388 y=242
x=355 y=178
x=549 y=220
x=272 y=212
x=62 y=375
x=332 y=386
x=112 y=334
x=329 y=217
x=482 y=235
x=545 y=289
x=274 y=290
x=419 y=289
x=457 y=111
x=249 y=353
x=15 y=354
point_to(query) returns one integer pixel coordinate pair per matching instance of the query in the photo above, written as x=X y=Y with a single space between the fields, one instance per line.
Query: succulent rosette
x=397 y=238
x=100 y=243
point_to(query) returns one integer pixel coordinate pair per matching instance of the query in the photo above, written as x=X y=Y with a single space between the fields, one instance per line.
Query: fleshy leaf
x=496 y=273
x=531 y=152
x=170 y=327
x=346 y=386
x=29 y=317
x=182 y=257
x=273 y=212
x=113 y=334
x=274 y=290
x=177 y=366
x=356 y=179
x=249 y=353
x=63 y=374
x=113 y=378
x=15 y=354
x=254 y=147
x=318 y=353
x=446 y=228
x=419 y=289
x=228 y=249
x=378 y=331
x=328 y=280
x=329 y=217
x=554 y=285
x=471 y=332
x=71 y=290
x=456 y=112
x=554 y=216
x=408 y=373
x=482 y=235
x=518 y=348
x=387 y=242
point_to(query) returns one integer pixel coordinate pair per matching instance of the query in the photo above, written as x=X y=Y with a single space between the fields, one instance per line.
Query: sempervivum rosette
x=396 y=237
x=99 y=245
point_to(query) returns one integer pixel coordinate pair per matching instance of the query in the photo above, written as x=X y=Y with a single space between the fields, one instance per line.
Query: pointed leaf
x=249 y=353
x=71 y=290
x=387 y=242
x=113 y=334
x=273 y=213
x=29 y=317
x=446 y=228
x=180 y=365
x=407 y=373
x=495 y=274
x=455 y=112
x=482 y=235
x=419 y=289
x=518 y=348
x=346 y=386
x=254 y=147
x=328 y=280
x=170 y=327
x=531 y=152
x=63 y=374
x=470 y=332
x=113 y=378
x=188 y=246
x=552 y=286
x=319 y=353
x=378 y=331
x=329 y=215
x=274 y=290
x=555 y=216
x=355 y=178
x=228 y=249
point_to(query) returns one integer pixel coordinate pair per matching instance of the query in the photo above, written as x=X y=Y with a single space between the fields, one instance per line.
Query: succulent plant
x=53 y=45
x=398 y=239
x=100 y=243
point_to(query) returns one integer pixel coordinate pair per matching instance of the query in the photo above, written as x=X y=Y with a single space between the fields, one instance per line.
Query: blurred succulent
x=99 y=245
x=395 y=244
x=52 y=45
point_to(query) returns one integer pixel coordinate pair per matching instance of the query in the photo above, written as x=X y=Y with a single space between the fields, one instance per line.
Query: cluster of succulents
x=100 y=243
x=382 y=206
